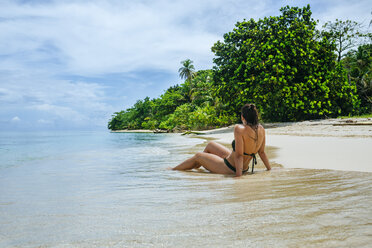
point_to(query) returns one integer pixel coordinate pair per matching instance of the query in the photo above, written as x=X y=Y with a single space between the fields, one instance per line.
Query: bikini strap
x=254 y=160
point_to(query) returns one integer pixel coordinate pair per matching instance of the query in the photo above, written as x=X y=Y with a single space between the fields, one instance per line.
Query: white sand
x=337 y=144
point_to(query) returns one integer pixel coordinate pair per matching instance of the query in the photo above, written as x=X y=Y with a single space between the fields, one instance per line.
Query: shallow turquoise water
x=101 y=189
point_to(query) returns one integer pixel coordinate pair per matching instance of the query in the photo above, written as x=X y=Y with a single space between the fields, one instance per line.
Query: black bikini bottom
x=232 y=167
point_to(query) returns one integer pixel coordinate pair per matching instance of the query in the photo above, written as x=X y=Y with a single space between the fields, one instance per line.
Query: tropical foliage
x=291 y=70
x=358 y=64
x=190 y=105
x=282 y=65
x=188 y=70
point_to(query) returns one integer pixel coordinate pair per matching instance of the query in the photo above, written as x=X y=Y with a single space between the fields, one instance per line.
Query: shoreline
x=132 y=131
x=335 y=144
x=348 y=127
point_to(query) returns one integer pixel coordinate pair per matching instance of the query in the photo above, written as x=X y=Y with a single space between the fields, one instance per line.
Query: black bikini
x=254 y=160
x=227 y=163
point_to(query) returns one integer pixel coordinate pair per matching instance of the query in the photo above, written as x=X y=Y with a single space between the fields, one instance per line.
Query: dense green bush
x=187 y=117
x=282 y=65
x=191 y=105
x=133 y=117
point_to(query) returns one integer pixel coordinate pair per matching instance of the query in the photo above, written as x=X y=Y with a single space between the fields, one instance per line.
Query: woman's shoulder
x=261 y=129
x=238 y=128
x=241 y=127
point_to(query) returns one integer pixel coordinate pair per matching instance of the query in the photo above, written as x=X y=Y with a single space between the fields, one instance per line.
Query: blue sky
x=72 y=64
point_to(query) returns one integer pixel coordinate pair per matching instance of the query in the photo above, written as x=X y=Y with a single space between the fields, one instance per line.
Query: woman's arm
x=263 y=156
x=239 y=150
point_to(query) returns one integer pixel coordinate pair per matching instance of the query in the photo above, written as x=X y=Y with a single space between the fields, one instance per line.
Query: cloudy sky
x=71 y=64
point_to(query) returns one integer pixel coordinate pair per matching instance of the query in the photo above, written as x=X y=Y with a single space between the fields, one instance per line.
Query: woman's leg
x=213 y=148
x=217 y=149
x=211 y=162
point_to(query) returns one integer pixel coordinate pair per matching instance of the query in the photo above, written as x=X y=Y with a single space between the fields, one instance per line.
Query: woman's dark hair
x=250 y=114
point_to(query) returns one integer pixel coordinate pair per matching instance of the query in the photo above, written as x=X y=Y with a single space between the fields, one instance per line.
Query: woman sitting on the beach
x=249 y=140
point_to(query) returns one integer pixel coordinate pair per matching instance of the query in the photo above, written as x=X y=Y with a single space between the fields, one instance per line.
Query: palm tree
x=188 y=72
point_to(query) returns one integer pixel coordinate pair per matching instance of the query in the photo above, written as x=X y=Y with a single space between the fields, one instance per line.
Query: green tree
x=187 y=70
x=279 y=64
x=344 y=33
x=133 y=117
x=359 y=66
x=121 y=120
x=168 y=102
x=203 y=91
x=115 y=123
x=173 y=111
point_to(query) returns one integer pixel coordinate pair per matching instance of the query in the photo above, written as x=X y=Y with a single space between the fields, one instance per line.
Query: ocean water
x=101 y=189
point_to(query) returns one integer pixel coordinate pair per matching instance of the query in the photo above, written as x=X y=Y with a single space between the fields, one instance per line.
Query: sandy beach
x=337 y=144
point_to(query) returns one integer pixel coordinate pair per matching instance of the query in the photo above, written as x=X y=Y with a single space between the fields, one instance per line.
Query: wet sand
x=318 y=193
x=337 y=144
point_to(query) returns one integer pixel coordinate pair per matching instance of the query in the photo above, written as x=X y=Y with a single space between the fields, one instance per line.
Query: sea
x=103 y=189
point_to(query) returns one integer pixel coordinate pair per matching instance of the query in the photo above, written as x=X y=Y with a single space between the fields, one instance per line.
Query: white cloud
x=8 y=96
x=41 y=44
x=331 y=10
x=97 y=37
x=69 y=102
x=93 y=38
x=45 y=122
x=64 y=113
x=15 y=119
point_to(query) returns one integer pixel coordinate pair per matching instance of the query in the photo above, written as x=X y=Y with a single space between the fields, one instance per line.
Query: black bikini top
x=254 y=159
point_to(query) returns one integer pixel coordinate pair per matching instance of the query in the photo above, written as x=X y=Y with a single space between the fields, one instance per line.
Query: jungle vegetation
x=286 y=66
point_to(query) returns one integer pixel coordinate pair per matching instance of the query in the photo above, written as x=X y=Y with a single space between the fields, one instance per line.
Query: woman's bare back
x=253 y=139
